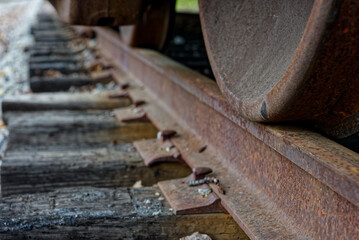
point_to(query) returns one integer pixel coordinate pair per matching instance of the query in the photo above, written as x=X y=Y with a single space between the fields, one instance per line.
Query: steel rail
x=281 y=182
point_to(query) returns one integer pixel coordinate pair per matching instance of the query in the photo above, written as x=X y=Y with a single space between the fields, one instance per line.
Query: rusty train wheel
x=153 y=28
x=287 y=60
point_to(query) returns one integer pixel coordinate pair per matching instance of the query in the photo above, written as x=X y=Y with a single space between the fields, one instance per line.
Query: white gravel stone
x=16 y=18
x=196 y=236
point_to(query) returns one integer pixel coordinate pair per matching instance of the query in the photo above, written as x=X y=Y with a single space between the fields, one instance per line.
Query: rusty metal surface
x=119 y=94
x=155 y=151
x=200 y=172
x=301 y=184
x=154 y=26
x=246 y=207
x=287 y=60
x=131 y=114
x=188 y=200
x=99 y=12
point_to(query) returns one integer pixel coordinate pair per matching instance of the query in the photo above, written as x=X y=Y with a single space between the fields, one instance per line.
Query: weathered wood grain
x=97 y=213
x=72 y=128
x=62 y=101
x=52 y=59
x=29 y=169
x=38 y=69
x=54 y=50
x=58 y=84
x=60 y=118
x=49 y=26
x=59 y=38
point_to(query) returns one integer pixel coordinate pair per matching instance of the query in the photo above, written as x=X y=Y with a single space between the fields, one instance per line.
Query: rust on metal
x=99 y=12
x=153 y=28
x=105 y=63
x=130 y=114
x=137 y=103
x=155 y=151
x=119 y=77
x=301 y=184
x=102 y=75
x=98 y=65
x=287 y=60
x=201 y=172
x=189 y=200
x=202 y=149
x=124 y=86
x=207 y=180
x=166 y=134
x=120 y=94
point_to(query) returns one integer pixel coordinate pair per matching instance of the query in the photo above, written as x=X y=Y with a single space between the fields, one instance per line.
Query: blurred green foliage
x=187 y=6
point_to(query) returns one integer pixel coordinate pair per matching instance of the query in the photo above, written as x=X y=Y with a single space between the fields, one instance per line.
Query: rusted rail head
x=287 y=60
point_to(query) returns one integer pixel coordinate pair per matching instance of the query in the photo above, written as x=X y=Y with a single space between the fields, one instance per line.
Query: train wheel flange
x=286 y=60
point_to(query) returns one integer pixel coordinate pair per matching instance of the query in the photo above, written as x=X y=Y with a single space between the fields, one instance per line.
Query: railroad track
x=162 y=123
x=71 y=167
